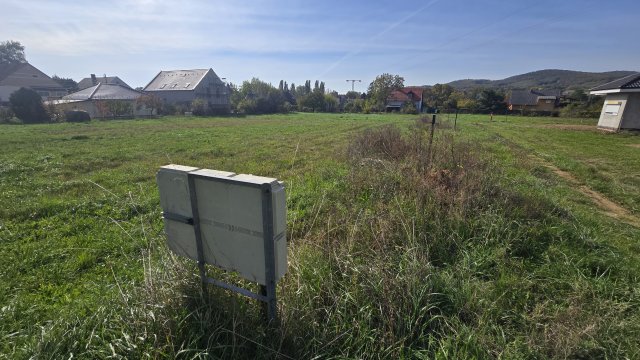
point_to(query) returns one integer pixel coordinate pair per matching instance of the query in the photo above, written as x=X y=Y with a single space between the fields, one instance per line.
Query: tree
x=409 y=108
x=331 y=103
x=352 y=95
x=198 y=107
x=322 y=87
x=27 y=105
x=67 y=83
x=380 y=88
x=312 y=102
x=490 y=101
x=150 y=102
x=439 y=96
x=354 y=106
x=11 y=52
x=113 y=108
x=258 y=97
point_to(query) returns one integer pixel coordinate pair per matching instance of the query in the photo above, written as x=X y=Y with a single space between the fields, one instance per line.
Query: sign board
x=239 y=218
x=611 y=109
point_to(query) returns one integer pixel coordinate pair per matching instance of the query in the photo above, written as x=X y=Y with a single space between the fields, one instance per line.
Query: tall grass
x=415 y=252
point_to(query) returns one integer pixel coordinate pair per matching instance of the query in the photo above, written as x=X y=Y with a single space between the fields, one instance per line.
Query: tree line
x=259 y=97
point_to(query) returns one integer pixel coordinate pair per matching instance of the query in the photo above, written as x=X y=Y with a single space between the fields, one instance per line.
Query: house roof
x=628 y=82
x=530 y=97
x=88 y=82
x=8 y=69
x=104 y=92
x=417 y=90
x=409 y=93
x=184 y=80
x=26 y=75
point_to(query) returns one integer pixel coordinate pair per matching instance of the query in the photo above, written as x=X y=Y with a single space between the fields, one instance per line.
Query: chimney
x=93 y=79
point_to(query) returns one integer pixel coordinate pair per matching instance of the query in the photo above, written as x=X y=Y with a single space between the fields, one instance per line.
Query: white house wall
x=631 y=115
x=90 y=107
x=210 y=89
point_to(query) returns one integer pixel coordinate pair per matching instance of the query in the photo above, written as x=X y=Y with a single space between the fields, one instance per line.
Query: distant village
x=203 y=92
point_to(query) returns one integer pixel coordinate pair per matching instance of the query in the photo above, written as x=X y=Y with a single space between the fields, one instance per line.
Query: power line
x=353 y=82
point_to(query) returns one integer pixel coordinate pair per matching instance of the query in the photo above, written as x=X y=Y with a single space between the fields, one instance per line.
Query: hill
x=545 y=79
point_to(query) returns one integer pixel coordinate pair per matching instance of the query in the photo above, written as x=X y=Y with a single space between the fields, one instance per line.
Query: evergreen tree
x=322 y=87
x=293 y=91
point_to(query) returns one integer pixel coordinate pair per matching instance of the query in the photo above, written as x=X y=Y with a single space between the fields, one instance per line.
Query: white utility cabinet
x=232 y=212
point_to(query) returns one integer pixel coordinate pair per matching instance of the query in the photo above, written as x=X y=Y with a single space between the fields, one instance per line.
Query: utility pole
x=353 y=82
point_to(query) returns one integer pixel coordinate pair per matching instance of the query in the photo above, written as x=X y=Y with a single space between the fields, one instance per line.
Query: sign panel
x=611 y=109
x=231 y=212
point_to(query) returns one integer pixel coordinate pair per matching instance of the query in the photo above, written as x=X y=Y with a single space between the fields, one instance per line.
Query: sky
x=424 y=41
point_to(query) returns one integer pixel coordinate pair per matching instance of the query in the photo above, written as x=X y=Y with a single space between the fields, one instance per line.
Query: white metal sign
x=233 y=221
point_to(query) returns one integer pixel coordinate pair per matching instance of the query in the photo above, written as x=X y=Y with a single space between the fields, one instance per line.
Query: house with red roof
x=398 y=98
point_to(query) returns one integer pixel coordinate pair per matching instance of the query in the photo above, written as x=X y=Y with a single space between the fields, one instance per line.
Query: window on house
x=163 y=85
x=187 y=85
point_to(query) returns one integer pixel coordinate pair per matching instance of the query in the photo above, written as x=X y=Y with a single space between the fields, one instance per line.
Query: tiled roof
x=104 y=92
x=177 y=80
x=409 y=93
x=398 y=95
x=417 y=90
x=88 y=82
x=628 y=82
x=529 y=97
x=8 y=69
x=26 y=75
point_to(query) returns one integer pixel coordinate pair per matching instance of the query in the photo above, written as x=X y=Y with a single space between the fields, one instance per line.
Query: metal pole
x=269 y=289
x=197 y=231
x=433 y=125
x=455 y=121
x=353 y=83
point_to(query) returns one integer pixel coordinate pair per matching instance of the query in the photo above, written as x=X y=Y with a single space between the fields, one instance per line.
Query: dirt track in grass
x=570 y=127
x=609 y=207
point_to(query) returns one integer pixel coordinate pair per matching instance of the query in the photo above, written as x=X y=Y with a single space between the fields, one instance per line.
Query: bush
x=27 y=105
x=409 y=108
x=198 y=107
x=76 y=116
x=5 y=115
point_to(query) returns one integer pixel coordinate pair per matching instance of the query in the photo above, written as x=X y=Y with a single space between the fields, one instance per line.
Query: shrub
x=5 y=115
x=198 y=107
x=27 y=105
x=55 y=114
x=385 y=143
x=409 y=108
x=77 y=116
x=114 y=108
x=354 y=106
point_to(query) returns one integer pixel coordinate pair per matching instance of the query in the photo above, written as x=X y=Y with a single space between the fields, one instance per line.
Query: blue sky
x=426 y=42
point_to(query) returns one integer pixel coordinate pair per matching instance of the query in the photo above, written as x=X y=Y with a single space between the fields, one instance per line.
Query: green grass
x=485 y=254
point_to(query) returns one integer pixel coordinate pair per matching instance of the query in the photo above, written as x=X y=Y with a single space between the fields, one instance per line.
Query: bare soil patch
x=609 y=207
x=637 y=146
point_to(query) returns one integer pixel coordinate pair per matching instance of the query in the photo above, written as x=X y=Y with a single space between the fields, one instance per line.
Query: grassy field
x=511 y=238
